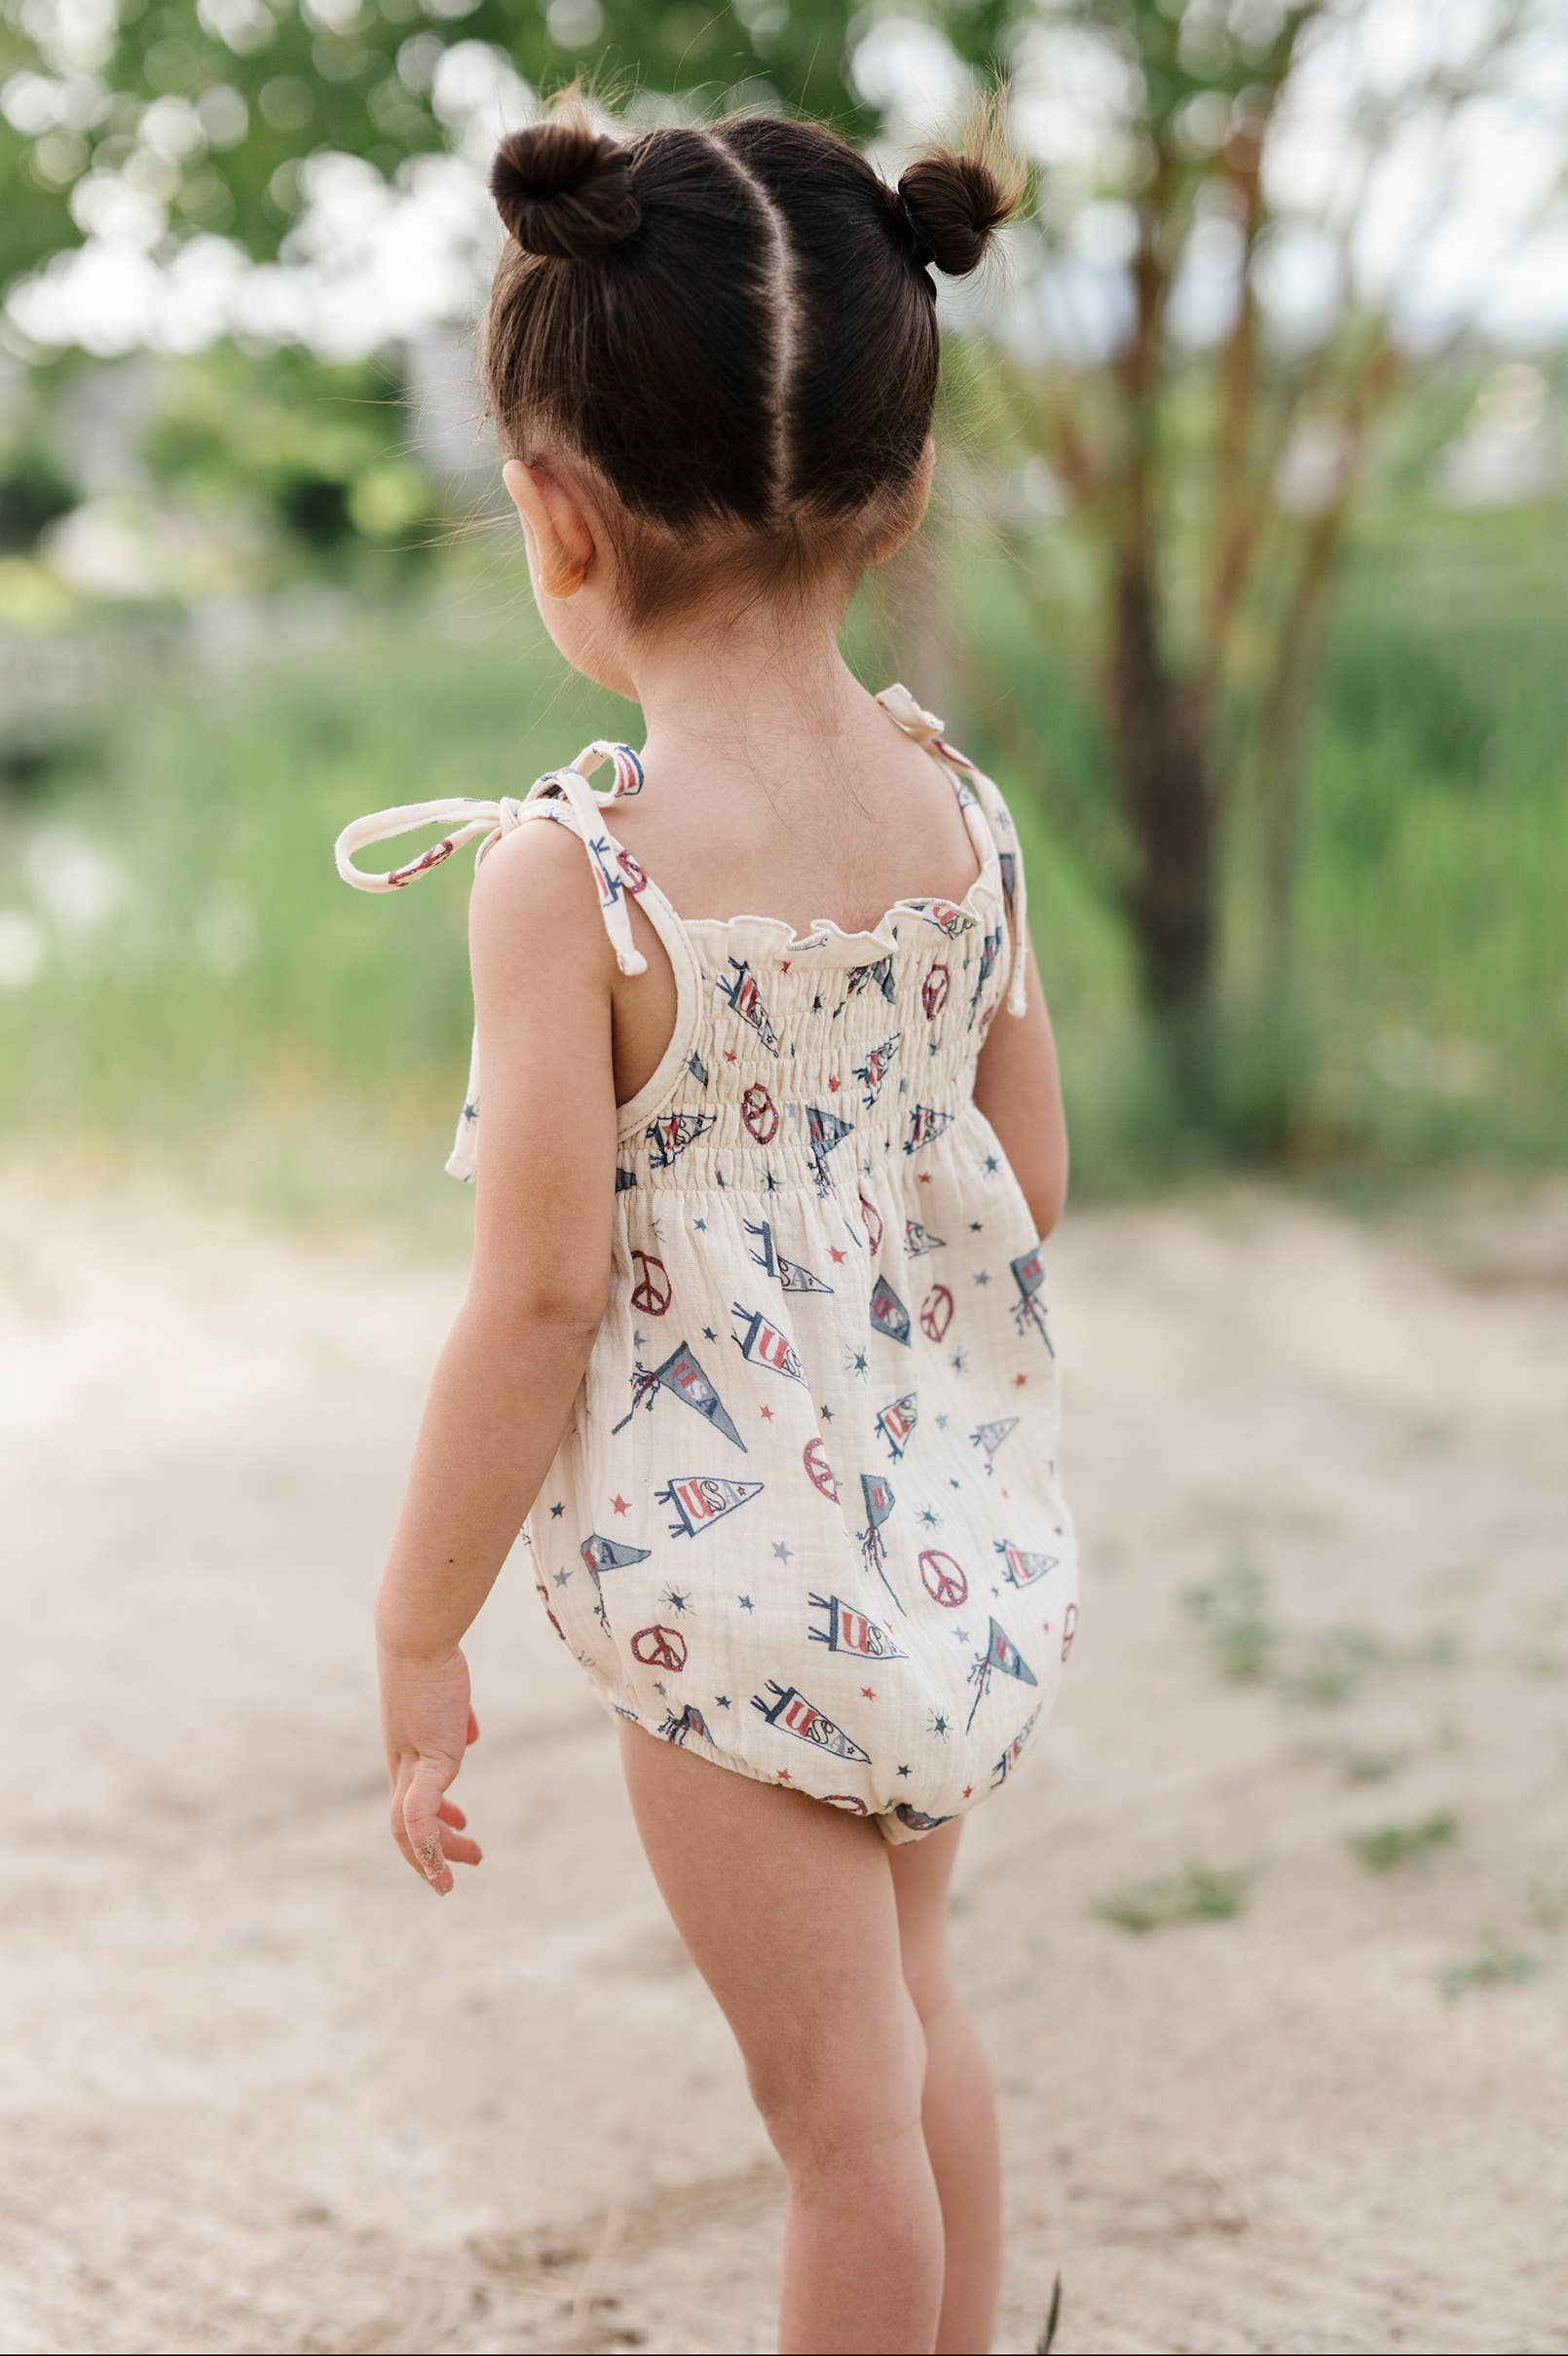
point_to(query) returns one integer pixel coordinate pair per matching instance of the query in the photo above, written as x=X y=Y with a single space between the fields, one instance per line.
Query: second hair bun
x=565 y=190
x=955 y=204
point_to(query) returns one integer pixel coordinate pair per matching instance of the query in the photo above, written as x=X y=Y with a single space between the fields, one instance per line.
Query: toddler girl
x=755 y=1336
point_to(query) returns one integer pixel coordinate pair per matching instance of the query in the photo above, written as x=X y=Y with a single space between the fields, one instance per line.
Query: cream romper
x=805 y=1521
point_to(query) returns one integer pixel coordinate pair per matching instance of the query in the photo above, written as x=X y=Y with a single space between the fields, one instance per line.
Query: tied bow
x=926 y=729
x=466 y=817
x=912 y=717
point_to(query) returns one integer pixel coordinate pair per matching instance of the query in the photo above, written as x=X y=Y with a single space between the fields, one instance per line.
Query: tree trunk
x=1171 y=891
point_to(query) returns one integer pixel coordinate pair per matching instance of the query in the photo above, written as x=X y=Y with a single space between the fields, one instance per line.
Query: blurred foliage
x=324 y=456
x=35 y=492
x=1272 y=832
x=211 y=109
x=187 y=975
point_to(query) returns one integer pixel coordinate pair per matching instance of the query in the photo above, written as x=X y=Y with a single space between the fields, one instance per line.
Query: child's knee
x=841 y=2089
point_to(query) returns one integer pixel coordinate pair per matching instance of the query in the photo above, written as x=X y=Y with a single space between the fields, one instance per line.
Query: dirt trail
x=261 y=2094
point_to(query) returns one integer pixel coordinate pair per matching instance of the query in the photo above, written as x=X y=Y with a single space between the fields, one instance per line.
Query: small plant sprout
x=1547 y=1897
x=1047 y=2330
x=1231 y=1615
x=1331 y=1665
x=1492 y=1963
x=1322 y=1668
x=1372 y=1766
x=1195 y=1892
x=1548 y=1665
x=1384 y=1847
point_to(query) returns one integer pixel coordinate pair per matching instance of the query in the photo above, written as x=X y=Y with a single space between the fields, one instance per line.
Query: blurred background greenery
x=1247 y=579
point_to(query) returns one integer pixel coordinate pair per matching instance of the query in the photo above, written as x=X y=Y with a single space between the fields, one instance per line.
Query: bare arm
x=510 y=1369
x=1018 y=1089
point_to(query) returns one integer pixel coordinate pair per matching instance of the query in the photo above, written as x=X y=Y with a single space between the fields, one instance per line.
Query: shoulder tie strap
x=614 y=871
x=926 y=729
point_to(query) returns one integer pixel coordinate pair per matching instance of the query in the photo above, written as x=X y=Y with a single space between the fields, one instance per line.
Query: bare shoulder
x=536 y=905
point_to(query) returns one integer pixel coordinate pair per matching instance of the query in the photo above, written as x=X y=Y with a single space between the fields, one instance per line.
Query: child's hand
x=427 y=1724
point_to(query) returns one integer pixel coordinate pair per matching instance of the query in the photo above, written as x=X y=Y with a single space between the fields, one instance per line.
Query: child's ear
x=556 y=523
x=910 y=509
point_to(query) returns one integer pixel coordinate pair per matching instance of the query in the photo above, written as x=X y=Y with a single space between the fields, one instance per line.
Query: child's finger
x=459 y=1848
x=473 y=1727
x=451 y=1813
x=422 y=1821
x=400 y=1830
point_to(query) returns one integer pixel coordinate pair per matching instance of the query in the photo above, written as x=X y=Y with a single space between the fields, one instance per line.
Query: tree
x=1214 y=460
x=1207 y=430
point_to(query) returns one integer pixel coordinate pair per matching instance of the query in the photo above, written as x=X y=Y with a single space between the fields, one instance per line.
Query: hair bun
x=563 y=189
x=954 y=206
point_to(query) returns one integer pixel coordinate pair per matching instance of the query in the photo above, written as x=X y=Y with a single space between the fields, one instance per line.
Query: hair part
x=732 y=331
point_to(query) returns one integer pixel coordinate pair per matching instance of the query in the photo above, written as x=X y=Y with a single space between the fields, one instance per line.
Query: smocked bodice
x=793 y=1054
x=826 y=1057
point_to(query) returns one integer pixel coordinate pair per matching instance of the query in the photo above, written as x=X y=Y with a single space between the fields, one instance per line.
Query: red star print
x=1045 y=1627
x=925 y=1178
x=968 y=1791
x=1019 y=1380
x=870 y=1692
x=621 y=1505
x=767 y=1415
x=784 y=965
x=833 y=1085
x=730 y=1055
x=783 y=1774
x=833 y=1254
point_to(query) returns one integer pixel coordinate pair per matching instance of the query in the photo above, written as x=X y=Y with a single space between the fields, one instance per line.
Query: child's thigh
x=922 y=1875
x=786 y=1907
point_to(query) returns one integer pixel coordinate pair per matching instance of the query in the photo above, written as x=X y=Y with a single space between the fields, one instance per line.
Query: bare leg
x=786 y=1907
x=959 y=2114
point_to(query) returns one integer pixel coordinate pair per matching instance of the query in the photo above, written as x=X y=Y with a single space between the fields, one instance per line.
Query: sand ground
x=259 y=2092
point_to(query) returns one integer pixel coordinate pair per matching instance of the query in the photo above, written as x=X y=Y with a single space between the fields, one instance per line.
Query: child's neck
x=765 y=678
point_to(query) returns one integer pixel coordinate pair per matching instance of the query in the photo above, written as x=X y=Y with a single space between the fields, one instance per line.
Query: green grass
x=241 y=1011
x=240 y=1014
x=1194 y=1893
x=1386 y=1847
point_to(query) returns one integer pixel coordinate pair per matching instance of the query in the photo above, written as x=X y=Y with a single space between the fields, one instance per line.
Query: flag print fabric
x=806 y=1522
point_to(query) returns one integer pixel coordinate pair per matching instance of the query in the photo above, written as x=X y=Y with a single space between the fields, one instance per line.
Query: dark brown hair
x=732 y=327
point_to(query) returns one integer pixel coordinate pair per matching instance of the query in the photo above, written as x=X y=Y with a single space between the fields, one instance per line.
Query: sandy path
x=261 y=2094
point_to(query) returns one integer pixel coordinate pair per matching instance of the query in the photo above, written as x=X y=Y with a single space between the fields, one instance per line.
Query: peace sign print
x=934 y=991
x=650 y=1293
x=660 y=1648
x=760 y=1113
x=942 y=1579
x=936 y=1313
x=818 y=1471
